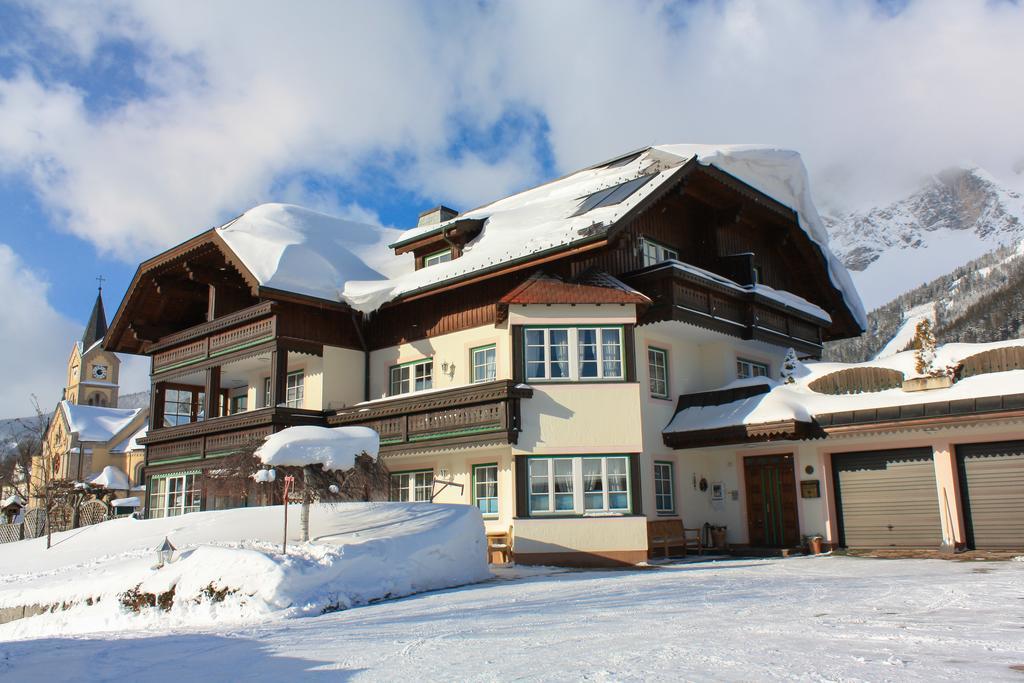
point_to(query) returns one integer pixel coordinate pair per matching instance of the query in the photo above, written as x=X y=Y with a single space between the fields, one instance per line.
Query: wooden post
x=278 y=375
x=212 y=389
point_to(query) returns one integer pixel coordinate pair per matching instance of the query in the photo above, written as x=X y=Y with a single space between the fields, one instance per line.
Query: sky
x=127 y=127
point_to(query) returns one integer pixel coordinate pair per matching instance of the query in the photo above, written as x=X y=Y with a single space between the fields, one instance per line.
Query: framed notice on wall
x=810 y=488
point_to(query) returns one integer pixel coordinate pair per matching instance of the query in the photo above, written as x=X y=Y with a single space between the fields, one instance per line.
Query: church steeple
x=97 y=326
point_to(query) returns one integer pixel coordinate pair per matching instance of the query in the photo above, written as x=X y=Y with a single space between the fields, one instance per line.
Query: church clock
x=99 y=372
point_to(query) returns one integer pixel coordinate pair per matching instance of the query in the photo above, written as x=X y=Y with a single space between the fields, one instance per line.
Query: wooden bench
x=670 y=533
x=500 y=543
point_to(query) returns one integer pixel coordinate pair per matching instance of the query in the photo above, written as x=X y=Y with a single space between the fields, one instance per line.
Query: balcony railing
x=470 y=414
x=690 y=296
x=241 y=335
x=222 y=435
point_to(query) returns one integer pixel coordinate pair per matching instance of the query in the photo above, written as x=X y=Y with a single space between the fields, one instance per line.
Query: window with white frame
x=437 y=257
x=173 y=495
x=573 y=353
x=294 y=389
x=656 y=253
x=266 y=392
x=485 y=488
x=657 y=371
x=409 y=377
x=579 y=485
x=664 y=488
x=412 y=486
x=749 y=368
x=178 y=404
x=484 y=363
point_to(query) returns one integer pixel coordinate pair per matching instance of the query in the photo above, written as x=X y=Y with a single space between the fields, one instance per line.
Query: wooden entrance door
x=771 y=501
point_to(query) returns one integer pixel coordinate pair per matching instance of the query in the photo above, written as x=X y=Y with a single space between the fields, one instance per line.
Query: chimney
x=439 y=214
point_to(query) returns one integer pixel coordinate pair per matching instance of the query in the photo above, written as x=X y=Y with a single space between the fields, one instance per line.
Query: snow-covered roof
x=112 y=478
x=336 y=448
x=297 y=250
x=132 y=442
x=14 y=499
x=798 y=402
x=93 y=423
x=132 y=502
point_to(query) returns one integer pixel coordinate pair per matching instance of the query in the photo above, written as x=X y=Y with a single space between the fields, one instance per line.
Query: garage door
x=887 y=499
x=992 y=487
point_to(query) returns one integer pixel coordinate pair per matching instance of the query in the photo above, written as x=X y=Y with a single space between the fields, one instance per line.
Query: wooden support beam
x=212 y=394
x=278 y=375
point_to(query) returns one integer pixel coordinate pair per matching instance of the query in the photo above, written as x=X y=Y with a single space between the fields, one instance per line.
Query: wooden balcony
x=473 y=414
x=234 y=332
x=714 y=303
x=221 y=435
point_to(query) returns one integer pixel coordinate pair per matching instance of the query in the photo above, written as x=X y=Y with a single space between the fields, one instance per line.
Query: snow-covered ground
x=358 y=553
x=823 y=618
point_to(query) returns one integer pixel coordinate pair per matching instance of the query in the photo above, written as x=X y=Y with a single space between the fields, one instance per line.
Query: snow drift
x=229 y=568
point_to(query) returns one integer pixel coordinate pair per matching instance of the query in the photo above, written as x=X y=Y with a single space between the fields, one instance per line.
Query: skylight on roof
x=612 y=195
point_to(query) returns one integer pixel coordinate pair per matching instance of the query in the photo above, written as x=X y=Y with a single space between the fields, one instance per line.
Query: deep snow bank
x=229 y=566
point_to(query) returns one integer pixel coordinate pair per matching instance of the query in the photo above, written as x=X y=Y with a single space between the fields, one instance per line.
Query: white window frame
x=488 y=375
x=652 y=366
x=438 y=257
x=653 y=252
x=573 y=358
x=664 y=474
x=745 y=368
x=295 y=389
x=417 y=486
x=543 y=499
x=477 y=483
x=267 y=399
x=414 y=376
x=165 y=502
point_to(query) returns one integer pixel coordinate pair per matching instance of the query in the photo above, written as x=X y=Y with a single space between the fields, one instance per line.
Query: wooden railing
x=710 y=302
x=215 y=345
x=474 y=413
x=222 y=435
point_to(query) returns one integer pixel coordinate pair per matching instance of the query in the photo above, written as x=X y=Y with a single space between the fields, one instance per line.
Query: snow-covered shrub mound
x=229 y=566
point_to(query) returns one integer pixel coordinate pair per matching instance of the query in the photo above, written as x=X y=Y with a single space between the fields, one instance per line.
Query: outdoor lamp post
x=164 y=553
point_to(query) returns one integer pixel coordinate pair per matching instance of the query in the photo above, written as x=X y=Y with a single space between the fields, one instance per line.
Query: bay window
x=574 y=353
x=409 y=377
x=579 y=485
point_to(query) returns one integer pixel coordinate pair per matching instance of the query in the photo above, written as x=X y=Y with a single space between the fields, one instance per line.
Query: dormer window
x=656 y=253
x=443 y=256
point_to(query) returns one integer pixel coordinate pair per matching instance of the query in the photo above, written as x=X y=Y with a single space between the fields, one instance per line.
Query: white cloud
x=237 y=99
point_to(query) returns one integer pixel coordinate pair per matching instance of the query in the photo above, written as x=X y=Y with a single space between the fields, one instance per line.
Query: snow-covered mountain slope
x=981 y=301
x=956 y=216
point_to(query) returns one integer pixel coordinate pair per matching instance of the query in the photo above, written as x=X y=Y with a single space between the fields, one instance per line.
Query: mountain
x=983 y=300
x=957 y=215
x=961 y=234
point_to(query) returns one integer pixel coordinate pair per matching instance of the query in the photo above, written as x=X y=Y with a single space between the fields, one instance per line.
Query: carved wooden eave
x=782 y=430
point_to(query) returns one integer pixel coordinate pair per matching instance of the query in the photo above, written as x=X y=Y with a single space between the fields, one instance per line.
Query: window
x=583 y=353
x=656 y=253
x=484 y=362
x=755 y=273
x=178 y=407
x=657 y=371
x=415 y=376
x=612 y=195
x=294 y=390
x=436 y=258
x=239 y=404
x=580 y=485
x=664 y=489
x=485 y=488
x=412 y=486
x=174 y=494
x=266 y=392
x=749 y=368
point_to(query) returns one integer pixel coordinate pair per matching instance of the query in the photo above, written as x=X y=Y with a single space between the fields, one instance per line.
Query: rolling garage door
x=887 y=499
x=992 y=489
